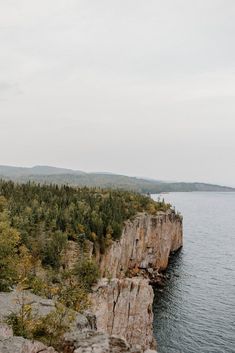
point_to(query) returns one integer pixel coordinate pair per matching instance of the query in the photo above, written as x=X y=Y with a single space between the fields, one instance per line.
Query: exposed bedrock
x=83 y=336
x=123 y=307
x=146 y=242
x=14 y=344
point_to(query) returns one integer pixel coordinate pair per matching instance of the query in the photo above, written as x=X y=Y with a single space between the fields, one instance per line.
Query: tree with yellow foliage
x=9 y=241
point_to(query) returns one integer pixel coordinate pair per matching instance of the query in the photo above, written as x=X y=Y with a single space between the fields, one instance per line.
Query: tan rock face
x=146 y=242
x=123 y=307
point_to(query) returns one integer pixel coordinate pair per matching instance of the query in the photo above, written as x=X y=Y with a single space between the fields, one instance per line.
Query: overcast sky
x=137 y=87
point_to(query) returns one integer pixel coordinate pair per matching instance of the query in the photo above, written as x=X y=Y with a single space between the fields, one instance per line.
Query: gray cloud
x=136 y=87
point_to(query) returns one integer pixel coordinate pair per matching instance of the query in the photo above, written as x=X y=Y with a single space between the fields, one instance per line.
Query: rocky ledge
x=80 y=342
x=86 y=335
x=14 y=344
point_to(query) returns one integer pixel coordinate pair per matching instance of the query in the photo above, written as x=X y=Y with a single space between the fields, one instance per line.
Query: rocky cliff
x=123 y=306
x=146 y=242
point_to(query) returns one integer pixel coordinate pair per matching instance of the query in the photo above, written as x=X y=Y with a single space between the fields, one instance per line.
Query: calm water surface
x=195 y=311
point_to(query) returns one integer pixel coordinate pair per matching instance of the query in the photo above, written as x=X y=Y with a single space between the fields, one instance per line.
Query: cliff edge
x=146 y=242
x=123 y=302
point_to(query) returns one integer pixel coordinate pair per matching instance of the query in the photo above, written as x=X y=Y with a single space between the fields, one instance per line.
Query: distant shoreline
x=61 y=176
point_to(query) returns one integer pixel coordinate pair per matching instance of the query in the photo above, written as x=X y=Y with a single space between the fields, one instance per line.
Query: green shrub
x=21 y=322
x=51 y=328
x=9 y=240
x=73 y=295
x=48 y=329
x=87 y=272
x=52 y=248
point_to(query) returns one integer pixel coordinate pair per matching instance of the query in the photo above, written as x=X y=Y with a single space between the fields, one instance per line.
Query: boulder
x=20 y=345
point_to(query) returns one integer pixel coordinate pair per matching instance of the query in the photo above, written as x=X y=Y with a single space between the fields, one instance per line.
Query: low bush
x=87 y=273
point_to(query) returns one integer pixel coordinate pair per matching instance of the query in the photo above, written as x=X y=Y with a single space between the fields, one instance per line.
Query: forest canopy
x=38 y=221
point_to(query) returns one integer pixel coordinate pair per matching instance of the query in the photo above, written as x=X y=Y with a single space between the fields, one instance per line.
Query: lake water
x=195 y=311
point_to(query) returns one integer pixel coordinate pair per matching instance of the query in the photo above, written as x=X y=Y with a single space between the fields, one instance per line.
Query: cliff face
x=146 y=242
x=123 y=307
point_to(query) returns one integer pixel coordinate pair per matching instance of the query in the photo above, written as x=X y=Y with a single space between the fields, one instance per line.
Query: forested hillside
x=46 y=217
x=61 y=176
x=37 y=224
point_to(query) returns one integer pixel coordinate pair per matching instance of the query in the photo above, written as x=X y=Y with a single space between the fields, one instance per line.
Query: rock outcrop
x=11 y=302
x=14 y=344
x=146 y=242
x=83 y=336
x=123 y=307
x=99 y=342
x=95 y=342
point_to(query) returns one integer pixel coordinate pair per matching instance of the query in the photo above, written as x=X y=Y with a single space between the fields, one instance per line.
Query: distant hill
x=48 y=175
x=36 y=170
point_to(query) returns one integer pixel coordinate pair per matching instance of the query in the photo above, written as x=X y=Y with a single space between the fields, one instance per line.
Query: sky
x=135 y=87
